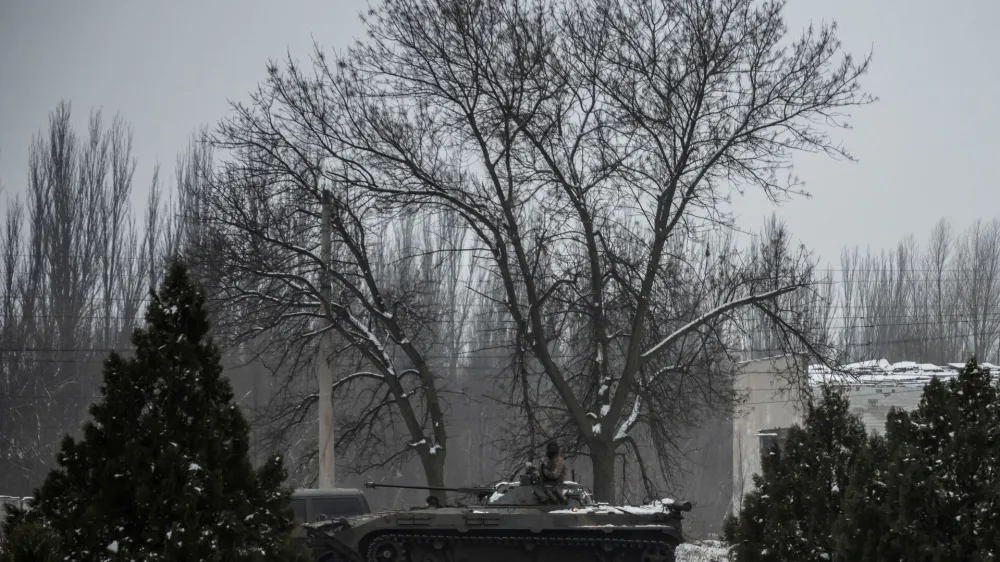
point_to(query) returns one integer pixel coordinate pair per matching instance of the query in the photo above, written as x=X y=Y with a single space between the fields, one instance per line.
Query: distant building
x=771 y=405
x=874 y=387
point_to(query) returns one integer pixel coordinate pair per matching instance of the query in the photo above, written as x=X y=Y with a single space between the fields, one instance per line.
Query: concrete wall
x=706 y=479
x=873 y=401
x=873 y=387
x=768 y=402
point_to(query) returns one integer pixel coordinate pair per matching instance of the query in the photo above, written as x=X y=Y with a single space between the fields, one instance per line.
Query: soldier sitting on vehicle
x=553 y=473
x=554 y=469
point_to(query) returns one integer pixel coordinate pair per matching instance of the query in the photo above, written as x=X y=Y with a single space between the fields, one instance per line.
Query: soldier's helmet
x=552 y=448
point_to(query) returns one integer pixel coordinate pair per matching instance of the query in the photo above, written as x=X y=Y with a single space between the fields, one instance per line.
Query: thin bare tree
x=70 y=257
x=978 y=284
x=943 y=326
x=935 y=304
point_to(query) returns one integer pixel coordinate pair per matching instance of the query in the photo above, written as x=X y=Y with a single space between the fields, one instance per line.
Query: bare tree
x=259 y=219
x=935 y=304
x=563 y=133
x=809 y=313
x=940 y=293
x=68 y=264
x=978 y=282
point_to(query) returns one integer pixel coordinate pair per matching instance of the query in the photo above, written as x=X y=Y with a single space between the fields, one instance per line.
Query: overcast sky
x=928 y=149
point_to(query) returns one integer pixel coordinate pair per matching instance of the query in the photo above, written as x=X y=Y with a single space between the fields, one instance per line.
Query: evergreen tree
x=162 y=471
x=942 y=483
x=27 y=541
x=859 y=530
x=789 y=516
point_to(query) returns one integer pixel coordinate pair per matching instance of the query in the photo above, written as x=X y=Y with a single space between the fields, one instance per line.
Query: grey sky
x=927 y=149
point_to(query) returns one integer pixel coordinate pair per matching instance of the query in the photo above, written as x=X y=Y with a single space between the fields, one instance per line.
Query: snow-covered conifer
x=790 y=513
x=162 y=472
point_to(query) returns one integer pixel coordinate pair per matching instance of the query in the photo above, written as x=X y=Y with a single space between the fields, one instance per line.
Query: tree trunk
x=602 y=458
x=434 y=472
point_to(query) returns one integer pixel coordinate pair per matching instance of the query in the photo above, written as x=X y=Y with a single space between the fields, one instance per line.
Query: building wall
x=873 y=401
x=705 y=478
x=770 y=407
x=873 y=387
x=768 y=402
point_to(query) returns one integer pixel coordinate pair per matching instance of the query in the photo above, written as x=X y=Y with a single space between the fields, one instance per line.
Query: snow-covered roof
x=881 y=371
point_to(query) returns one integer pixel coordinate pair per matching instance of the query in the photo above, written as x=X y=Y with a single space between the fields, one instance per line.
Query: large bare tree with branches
x=395 y=314
x=581 y=142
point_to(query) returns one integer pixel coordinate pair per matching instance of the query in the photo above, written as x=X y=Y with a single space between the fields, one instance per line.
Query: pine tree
x=942 y=482
x=162 y=471
x=27 y=541
x=862 y=524
x=789 y=516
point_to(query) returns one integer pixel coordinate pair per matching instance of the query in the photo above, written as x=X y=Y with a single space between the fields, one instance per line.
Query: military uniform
x=554 y=469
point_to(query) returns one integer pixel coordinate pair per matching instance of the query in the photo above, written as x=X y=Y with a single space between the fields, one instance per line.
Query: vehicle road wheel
x=386 y=551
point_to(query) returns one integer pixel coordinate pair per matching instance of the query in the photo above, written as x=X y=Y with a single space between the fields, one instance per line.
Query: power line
x=909 y=319
x=474 y=354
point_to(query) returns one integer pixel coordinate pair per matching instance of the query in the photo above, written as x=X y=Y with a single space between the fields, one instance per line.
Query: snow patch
x=707 y=551
x=435 y=449
x=623 y=430
x=881 y=371
x=656 y=506
x=500 y=489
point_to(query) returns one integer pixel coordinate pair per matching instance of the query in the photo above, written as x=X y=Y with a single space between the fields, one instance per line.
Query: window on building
x=299 y=507
x=771 y=438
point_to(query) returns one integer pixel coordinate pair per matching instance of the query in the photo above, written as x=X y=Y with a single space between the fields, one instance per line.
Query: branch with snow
x=627 y=425
x=344 y=380
x=715 y=312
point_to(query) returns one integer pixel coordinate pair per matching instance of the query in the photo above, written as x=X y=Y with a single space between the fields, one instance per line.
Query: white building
x=771 y=405
x=873 y=387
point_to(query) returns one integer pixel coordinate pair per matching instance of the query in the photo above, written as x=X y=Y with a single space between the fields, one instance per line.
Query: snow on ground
x=707 y=551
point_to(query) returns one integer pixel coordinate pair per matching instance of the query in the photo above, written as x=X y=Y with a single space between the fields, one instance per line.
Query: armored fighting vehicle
x=510 y=522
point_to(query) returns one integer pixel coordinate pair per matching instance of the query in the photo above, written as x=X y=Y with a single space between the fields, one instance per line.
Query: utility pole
x=324 y=371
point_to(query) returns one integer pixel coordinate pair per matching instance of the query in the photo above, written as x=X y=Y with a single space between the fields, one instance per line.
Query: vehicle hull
x=488 y=534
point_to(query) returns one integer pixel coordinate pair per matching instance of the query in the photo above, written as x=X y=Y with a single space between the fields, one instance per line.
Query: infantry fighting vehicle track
x=516 y=521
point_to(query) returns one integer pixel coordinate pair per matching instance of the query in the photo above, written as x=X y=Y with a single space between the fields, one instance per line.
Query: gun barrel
x=481 y=490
